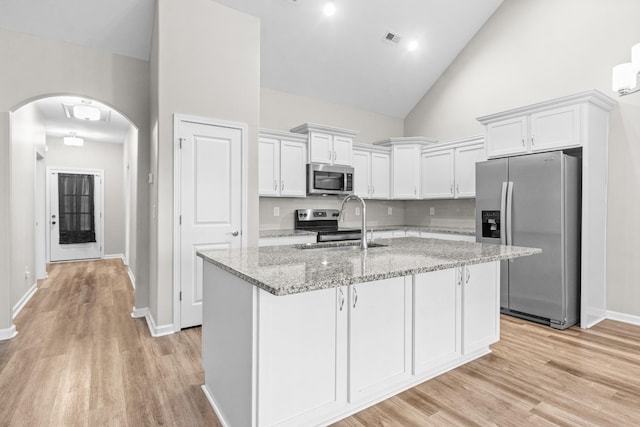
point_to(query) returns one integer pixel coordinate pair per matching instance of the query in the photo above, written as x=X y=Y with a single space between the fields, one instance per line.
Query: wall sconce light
x=73 y=140
x=625 y=76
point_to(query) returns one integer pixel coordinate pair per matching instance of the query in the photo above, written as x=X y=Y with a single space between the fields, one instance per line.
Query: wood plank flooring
x=81 y=360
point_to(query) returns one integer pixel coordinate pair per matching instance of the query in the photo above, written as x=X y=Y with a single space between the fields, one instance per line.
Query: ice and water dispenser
x=491 y=224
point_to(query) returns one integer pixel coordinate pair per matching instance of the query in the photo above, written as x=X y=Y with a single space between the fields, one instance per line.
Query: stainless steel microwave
x=326 y=179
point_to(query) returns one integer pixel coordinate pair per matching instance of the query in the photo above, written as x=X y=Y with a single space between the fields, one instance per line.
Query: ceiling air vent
x=392 y=38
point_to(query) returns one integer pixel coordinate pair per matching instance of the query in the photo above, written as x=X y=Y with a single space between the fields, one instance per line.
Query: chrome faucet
x=363 y=238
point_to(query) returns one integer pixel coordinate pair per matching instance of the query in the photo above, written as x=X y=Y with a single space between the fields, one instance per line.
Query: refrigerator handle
x=503 y=213
x=509 y=212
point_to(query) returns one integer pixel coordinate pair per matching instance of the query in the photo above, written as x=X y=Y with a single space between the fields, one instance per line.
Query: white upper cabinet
x=405 y=165
x=372 y=167
x=327 y=144
x=449 y=171
x=281 y=164
x=551 y=125
x=507 y=137
x=361 y=173
x=437 y=174
x=465 y=169
x=380 y=175
x=556 y=128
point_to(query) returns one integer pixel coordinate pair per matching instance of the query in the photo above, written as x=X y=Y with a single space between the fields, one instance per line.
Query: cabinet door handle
x=281 y=185
x=451 y=189
x=373 y=190
x=355 y=297
x=460 y=277
x=532 y=143
x=335 y=155
x=468 y=275
x=275 y=184
x=458 y=188
x=330 y=154
x=523 y=142
x=341 y=299
x=415 y=190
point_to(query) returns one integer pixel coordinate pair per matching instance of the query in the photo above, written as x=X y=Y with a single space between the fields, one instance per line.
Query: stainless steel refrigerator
x=534 y=201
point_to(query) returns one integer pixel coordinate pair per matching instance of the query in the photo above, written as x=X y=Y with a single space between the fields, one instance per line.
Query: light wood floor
x=80 y=359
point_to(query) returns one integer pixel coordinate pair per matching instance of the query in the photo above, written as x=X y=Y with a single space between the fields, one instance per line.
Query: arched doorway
x=41 y=130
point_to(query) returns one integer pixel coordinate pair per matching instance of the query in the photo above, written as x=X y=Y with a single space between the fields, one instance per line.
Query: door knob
x=234 y=233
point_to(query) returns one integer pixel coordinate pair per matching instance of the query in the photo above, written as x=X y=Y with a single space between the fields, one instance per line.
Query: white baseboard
x=132 y=278
x=24 y=300
x=215 y=408
x=115 y=256
x=154 y=330
x=622 y=317
x=139 y=312
x=7 y=334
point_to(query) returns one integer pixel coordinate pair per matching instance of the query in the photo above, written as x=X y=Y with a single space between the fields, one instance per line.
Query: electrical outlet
x=276 y=211
x=357 y=211
x=389 y=210
x=432 y=211
x=27 y=273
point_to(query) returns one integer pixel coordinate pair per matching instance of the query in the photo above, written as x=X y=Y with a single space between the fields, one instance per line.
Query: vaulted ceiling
x=345 y=58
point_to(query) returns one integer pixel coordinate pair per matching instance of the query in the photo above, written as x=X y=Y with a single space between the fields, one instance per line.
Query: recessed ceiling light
x=412 y=45
x=329 y=8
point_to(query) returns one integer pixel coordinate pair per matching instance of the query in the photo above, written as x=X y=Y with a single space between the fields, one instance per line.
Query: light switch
x=389 y=210
x=357 y=211
x=432 y=211
x=276 y=211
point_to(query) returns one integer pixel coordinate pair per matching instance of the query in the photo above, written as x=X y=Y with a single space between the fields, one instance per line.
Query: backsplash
x=377 y=211
x=446 y=213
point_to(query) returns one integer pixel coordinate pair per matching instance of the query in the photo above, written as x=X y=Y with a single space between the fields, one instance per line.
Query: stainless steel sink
x=337 y=246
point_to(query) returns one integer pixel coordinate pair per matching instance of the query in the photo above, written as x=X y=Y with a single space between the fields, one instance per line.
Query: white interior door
x=210 y=204
x=75 y=214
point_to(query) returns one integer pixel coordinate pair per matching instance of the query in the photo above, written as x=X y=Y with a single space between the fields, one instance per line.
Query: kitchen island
x=307 y=335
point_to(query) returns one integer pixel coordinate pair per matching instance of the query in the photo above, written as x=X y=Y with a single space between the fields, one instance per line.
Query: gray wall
x=534 y=50
x=39 y=67
x=27 y=135
x=108 y=157
x=283 y=111
x=205 y=62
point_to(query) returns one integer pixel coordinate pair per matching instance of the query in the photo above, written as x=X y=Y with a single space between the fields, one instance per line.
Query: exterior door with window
x=75 y=214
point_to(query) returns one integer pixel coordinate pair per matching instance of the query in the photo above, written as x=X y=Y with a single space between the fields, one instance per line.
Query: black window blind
x=76 y=208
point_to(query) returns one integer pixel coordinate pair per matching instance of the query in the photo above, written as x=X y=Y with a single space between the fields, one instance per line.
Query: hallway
x=80 y=359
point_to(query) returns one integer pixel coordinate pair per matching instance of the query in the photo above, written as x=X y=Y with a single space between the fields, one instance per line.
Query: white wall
x=27 y=134
x=108 y=157
x=40 y=67
x=284 y=111
x=205 y=62
x=534 y=50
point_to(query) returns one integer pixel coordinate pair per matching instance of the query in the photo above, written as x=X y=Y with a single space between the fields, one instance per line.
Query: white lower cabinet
x=379 y=339
x=319 y=356
x=480 y=306
x=302 y=371
x=436 y=320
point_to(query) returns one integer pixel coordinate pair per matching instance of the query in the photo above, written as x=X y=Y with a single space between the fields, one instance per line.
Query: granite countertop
x=289 y=232
x=283 y=270
x=430 y=229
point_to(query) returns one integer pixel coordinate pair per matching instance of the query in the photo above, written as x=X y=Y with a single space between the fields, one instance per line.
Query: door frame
x=177 y=196
x=99 y=229
x=41 y=216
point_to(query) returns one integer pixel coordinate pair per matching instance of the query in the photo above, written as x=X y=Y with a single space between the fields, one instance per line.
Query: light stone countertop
x=284 y=270
x=290 y=232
